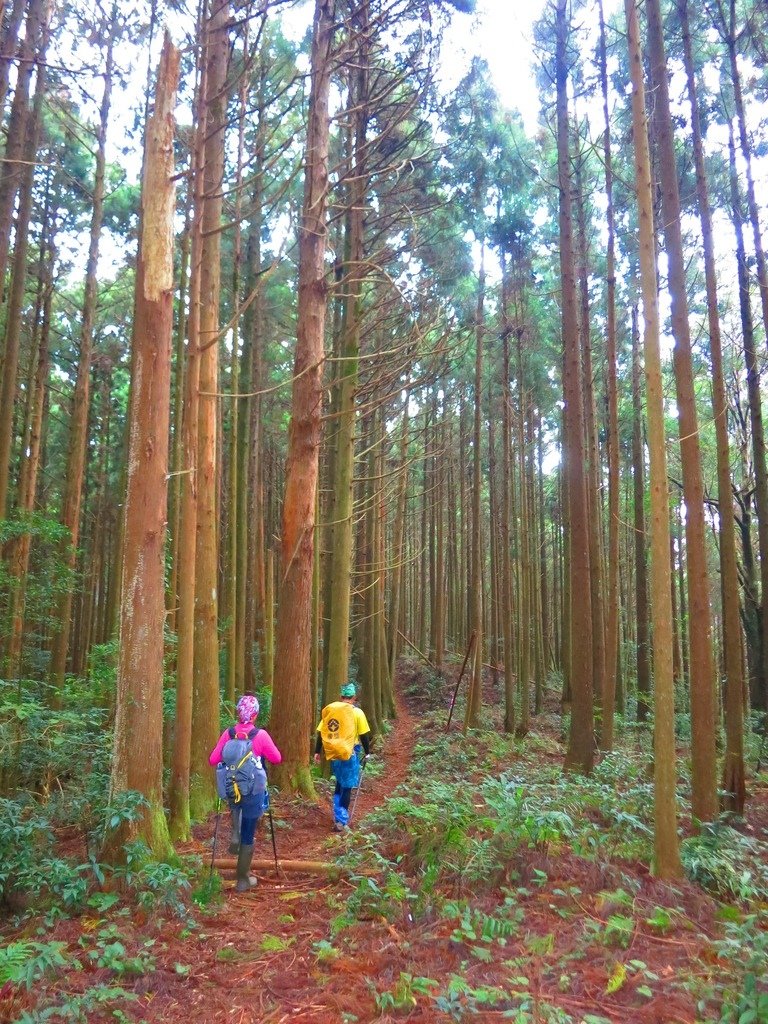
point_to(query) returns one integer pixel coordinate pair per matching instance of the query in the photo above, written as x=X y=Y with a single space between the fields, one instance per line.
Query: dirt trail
x=308 y=834
x=253 y=961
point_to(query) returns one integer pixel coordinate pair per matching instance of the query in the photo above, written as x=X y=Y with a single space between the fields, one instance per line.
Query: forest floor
x=550 y=936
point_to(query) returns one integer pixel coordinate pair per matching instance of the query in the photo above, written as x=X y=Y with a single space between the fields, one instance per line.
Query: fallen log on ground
x=317 y=867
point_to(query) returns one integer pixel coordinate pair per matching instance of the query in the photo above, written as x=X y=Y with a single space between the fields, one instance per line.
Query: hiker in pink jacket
x=246 y=813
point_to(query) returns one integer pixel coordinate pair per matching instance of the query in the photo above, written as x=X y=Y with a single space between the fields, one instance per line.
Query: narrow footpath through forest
x=270 y=956
x=258 y=950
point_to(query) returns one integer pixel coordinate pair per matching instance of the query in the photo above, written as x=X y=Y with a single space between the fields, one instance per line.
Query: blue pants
x=249 y=816
x=347 y=775
x=248 y=830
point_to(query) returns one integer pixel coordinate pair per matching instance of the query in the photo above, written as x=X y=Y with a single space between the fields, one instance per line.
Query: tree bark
x=546 y=652
x=18 y=560
x=237 y=540
x=580 y=755
x=438 y=608
x=757 y=429
x=506 y=513
x=666 y=849
x=398 y=546
x=23 y=129
x=138 y=757
x=642 y=639
x=475 y=696
x=337 y=664
x=177 y=457
x=733 y=767
x=179 y=787
x=593 y=460
x=13 y=322
x=205 y=679
x=612 y=561
x=78 y=422
x=292 y=703
x=13 y=169
x=9 y=44
x=704 y=802
x=525 y=604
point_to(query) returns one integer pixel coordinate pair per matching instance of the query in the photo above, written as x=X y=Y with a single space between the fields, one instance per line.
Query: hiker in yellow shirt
x=341 y=732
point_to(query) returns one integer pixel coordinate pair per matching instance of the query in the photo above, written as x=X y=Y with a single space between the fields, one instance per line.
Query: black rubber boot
x=245 y=881
x=234 y=842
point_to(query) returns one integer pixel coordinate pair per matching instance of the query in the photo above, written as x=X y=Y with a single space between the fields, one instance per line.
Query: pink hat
x=247 y=708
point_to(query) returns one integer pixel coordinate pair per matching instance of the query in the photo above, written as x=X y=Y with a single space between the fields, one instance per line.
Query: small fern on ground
x=24 y=962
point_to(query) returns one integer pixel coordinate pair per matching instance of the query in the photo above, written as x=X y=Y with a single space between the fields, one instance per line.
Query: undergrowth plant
x=481 y=816
x=475 y=832
x=727 y=863
x=438 y=822
x=156 y=884
x=53 y=759
x=48 y=576
x=54 y=781
x=81 y=1008
x=403 y=996
x=736 y=985
x=475 y=925
x=24 y=962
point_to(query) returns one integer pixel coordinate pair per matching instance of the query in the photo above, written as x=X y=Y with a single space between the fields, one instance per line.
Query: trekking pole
x=461 y=676
x=272 y=827
x=272 y=830
x=357 y=791
x=215 y=834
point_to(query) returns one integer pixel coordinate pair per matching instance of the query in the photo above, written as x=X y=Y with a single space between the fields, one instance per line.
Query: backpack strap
x=249 y=736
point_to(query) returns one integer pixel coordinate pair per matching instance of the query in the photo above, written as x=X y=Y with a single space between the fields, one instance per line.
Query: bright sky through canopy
x=501 y=32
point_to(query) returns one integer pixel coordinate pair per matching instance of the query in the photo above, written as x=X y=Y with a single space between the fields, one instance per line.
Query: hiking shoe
x=245 y=880
x=246 y=884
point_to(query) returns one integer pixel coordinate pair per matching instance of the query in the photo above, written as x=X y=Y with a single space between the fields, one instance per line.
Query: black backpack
x=241 y=773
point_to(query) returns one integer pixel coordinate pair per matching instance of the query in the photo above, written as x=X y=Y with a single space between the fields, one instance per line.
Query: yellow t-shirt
x=361 y=722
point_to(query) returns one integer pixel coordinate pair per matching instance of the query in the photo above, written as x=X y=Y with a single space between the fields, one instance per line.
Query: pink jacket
x=262 y=746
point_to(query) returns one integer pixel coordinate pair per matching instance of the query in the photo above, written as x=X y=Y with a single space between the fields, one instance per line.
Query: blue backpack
x=240 y=773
